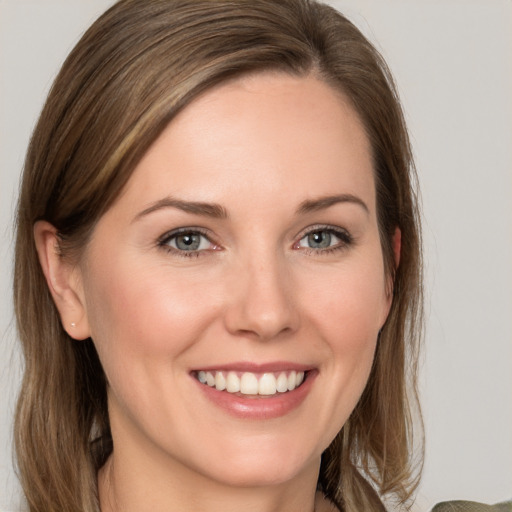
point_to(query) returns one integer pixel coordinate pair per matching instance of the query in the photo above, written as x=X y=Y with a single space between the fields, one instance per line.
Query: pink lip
x=259 y=407
x=274 y=367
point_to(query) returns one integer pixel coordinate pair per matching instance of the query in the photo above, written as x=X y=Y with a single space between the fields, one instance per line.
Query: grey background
x=453 y=63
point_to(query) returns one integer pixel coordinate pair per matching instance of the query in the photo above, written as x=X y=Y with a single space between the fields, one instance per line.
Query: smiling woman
x=218 y=281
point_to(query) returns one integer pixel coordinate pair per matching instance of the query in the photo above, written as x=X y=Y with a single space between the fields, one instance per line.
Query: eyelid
x=322 y=227
x=163 y=240
x=343 y=234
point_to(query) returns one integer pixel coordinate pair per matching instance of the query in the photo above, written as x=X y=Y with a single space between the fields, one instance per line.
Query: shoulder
x=472 y=506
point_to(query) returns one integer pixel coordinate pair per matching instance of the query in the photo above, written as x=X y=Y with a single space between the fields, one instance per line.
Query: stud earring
x=73 y=324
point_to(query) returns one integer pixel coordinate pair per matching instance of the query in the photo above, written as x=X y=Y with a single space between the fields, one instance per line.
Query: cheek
x=140 y=315
x=143 y=319
x=350 y=330
x=350 y=303
x=347 y=313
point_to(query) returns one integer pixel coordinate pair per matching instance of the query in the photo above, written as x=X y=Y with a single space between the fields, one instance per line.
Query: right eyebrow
x=198 y=208
x=321 y=203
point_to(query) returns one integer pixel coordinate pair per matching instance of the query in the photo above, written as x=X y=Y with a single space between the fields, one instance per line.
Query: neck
x=149 y=486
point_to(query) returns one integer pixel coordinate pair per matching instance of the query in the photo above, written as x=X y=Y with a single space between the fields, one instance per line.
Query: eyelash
x=165 y=239
x=344 y=237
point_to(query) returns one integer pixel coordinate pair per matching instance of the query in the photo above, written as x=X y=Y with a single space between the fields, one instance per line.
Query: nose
x=262 y=303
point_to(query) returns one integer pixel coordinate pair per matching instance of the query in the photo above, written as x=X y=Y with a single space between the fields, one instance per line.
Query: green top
x=472 y=506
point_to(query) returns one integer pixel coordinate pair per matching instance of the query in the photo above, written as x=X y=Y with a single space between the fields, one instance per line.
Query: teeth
x=292 y=380
x=220 y=381
x=267 y=384
x=251 y=384
x=282 y=383
x=210 y=379
x=232 y=383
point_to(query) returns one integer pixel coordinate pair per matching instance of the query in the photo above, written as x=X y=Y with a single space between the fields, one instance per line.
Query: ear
x=396 y=243
x=397 y=246
x=64 y=281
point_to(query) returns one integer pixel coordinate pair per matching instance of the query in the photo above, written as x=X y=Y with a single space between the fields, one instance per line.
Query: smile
x=248 y=383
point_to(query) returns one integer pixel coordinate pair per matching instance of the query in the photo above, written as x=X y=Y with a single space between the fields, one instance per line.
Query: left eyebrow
x=198 y=208
x=313 y=205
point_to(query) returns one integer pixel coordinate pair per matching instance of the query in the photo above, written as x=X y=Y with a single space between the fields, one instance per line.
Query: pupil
x=320 y=239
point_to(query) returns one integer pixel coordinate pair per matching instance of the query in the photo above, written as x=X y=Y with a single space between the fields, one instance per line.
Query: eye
x=186 y=241
x=324 y=238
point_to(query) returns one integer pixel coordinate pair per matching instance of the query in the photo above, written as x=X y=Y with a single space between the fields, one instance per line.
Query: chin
x=263 y=465
x=260 y=475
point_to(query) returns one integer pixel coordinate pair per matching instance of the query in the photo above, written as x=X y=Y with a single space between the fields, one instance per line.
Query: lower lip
x=257 y=407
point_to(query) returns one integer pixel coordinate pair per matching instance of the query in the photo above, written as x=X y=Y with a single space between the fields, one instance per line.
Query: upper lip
x=247 y=366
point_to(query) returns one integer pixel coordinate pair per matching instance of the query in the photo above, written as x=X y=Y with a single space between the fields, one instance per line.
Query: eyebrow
x=217 y=211
x=198 y=208
x=313 y=205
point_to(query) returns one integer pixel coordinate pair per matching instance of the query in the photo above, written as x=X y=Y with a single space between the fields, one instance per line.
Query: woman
x=218 y=280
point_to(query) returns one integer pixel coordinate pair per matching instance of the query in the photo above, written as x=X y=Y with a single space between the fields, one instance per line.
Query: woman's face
x=244 y=251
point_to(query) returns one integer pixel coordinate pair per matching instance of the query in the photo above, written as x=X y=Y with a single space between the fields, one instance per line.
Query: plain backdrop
x=452 y=60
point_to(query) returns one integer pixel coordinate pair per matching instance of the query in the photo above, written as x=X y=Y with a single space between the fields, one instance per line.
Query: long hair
x=137 y=66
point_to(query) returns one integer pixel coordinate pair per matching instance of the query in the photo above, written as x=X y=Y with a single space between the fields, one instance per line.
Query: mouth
x=251 y=391
x=249 y=384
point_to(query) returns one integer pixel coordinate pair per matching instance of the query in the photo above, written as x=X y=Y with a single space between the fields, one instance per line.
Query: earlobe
x=63 y=280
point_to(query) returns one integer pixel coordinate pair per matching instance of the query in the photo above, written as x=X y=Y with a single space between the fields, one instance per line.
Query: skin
x=258 y=147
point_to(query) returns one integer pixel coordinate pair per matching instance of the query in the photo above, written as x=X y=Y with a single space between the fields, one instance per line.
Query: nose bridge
x=262 y=303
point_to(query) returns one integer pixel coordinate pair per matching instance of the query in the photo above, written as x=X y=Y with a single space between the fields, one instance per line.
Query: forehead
x=259 y=134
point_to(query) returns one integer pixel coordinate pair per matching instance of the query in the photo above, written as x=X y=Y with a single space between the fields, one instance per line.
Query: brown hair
x=129 y=75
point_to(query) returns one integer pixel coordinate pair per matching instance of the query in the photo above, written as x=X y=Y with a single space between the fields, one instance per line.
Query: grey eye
x=324 y=239
x=190 y=241
x=319 y=239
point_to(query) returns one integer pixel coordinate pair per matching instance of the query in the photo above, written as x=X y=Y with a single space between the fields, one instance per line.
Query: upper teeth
x=251 y=383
